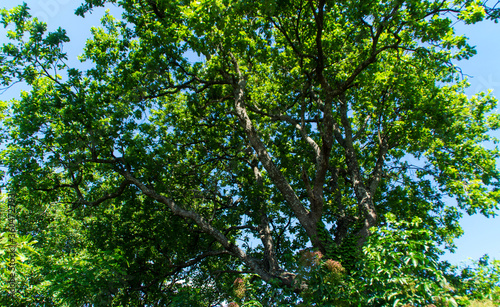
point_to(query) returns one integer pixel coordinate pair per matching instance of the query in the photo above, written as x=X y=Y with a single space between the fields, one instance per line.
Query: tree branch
x=277 y=177
x=205 y=227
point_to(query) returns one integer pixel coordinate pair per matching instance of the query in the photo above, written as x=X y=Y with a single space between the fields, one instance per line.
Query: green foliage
x=12 y=290
x=306 y=149
x=21 y=283
x=401 y=267
x=477 y=283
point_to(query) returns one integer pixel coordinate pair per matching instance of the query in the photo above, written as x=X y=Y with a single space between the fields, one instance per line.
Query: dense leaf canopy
x=220 y=150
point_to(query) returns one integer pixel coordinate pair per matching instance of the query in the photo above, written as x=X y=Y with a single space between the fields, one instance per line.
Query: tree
x=227 y=140
x=478 y=282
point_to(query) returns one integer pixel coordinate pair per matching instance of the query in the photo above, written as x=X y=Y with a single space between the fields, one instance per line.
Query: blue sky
x=481 y=234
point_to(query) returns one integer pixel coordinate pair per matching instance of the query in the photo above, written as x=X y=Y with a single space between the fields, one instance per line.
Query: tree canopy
x=255 y=152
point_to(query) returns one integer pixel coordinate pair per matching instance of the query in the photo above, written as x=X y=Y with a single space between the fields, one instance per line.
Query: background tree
x=216 y=140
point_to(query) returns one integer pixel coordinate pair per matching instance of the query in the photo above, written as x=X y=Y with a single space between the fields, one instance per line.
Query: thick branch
x=205 y=227
x=264 y=229
x=277 y=177
x=377 y=173
x=363 y=195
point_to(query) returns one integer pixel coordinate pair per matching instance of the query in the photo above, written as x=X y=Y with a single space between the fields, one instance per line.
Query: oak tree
x=211 y=143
